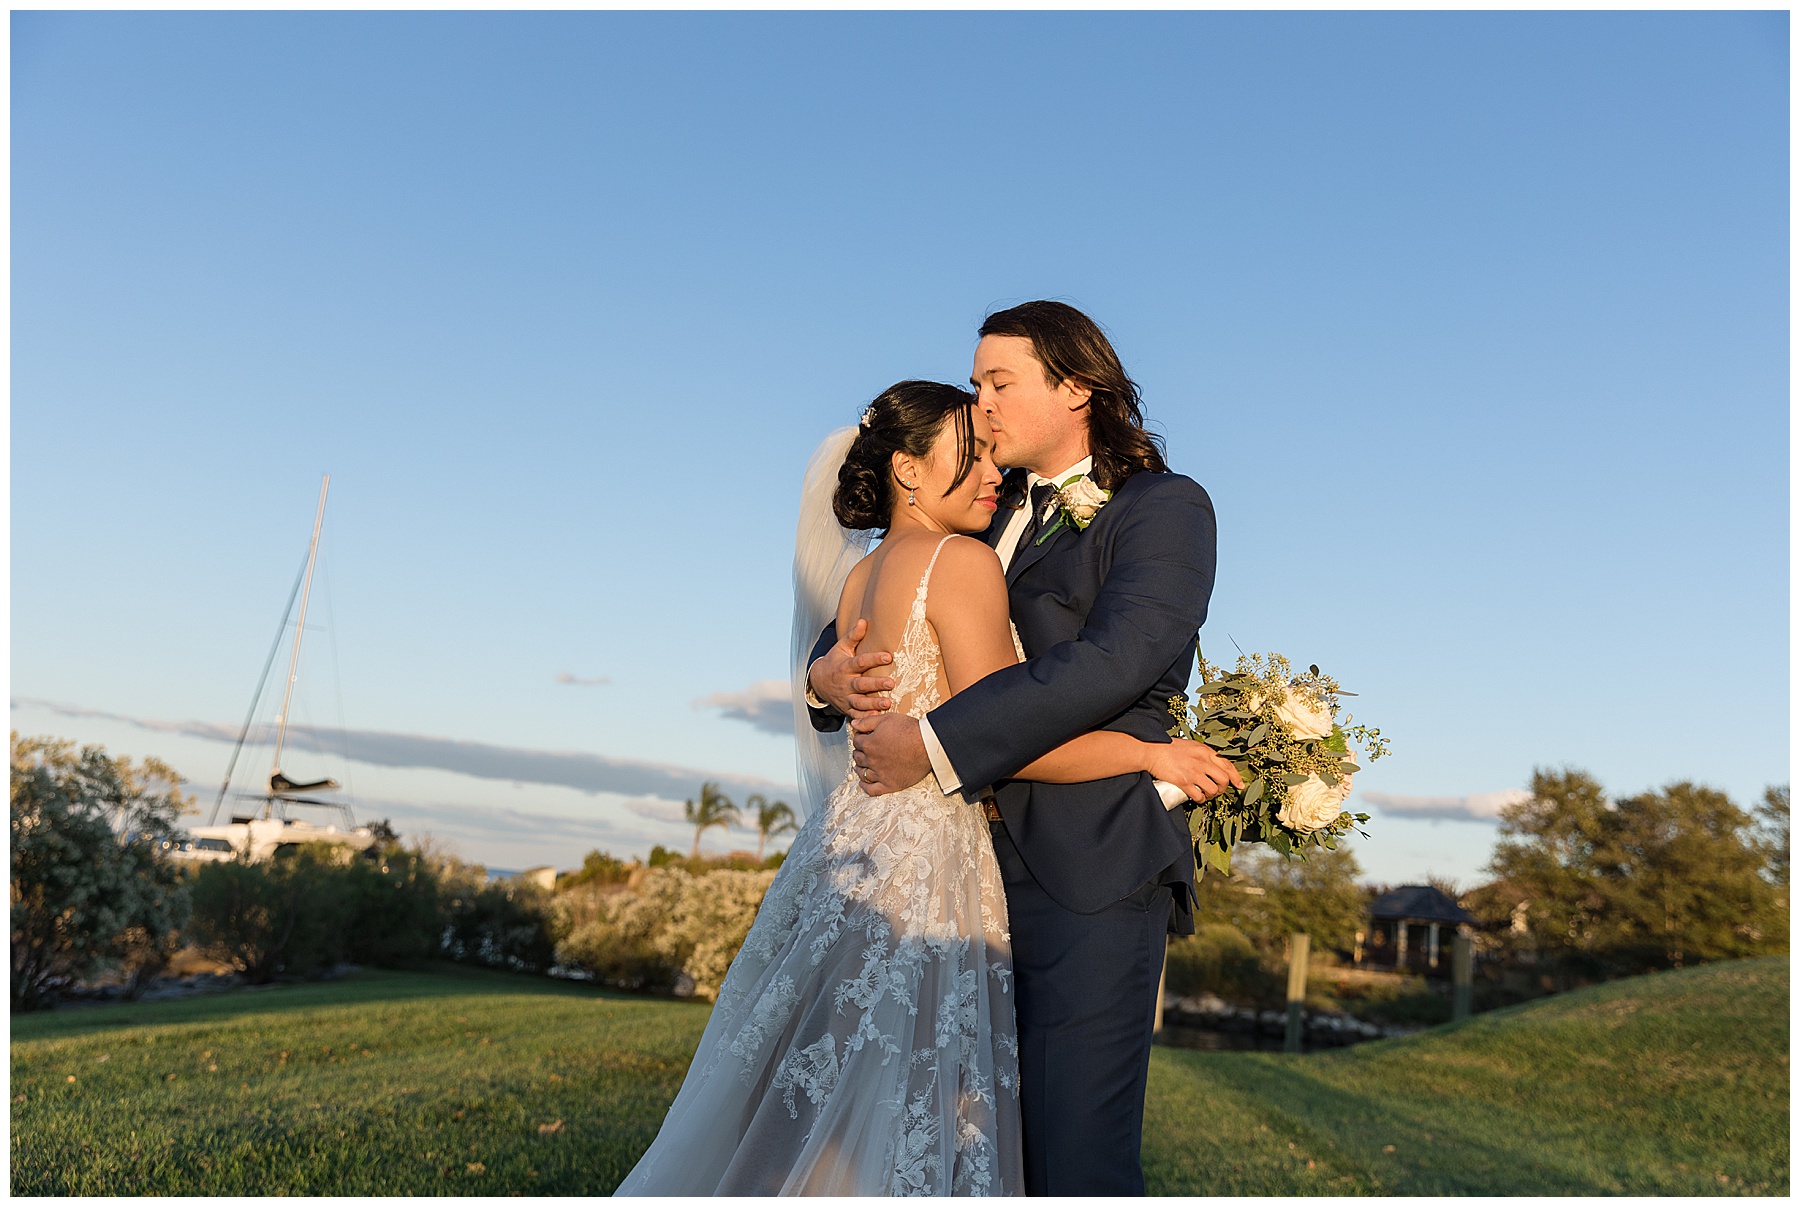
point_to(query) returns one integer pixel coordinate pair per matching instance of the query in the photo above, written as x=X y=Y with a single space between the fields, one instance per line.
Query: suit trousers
x=1086 y=987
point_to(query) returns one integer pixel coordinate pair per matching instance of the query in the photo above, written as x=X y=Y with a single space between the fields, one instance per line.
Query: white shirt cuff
x=1172 y=797
x=811 y=699
x=948 y=780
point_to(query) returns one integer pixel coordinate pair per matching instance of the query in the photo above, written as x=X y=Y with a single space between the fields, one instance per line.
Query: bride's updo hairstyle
x=904 y=418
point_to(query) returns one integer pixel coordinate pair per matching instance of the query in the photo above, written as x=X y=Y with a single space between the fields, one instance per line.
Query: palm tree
x=714 y=809
x=771 y=819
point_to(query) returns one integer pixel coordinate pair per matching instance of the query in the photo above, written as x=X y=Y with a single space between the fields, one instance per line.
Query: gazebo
x=1409 y=930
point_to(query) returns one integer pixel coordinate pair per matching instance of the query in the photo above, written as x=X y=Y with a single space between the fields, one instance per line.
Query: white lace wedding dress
x=863 y=1042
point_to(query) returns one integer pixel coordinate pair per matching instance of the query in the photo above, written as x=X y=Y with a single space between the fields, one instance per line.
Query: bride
x=863 y=1041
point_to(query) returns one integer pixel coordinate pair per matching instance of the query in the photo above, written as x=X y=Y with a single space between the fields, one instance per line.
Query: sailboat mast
x=262 y=682
x=287 y=697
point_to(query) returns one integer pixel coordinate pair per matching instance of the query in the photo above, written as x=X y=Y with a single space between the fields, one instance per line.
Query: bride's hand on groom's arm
x=1194 y=767
x=841 y=677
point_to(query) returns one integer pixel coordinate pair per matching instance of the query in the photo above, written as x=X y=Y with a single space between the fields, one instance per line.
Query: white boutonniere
x=1078 y=500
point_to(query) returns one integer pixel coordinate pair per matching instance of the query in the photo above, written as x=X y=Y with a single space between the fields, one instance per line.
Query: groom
x=1096 y=873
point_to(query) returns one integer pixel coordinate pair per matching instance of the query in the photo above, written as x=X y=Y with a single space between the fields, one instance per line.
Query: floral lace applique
x=918 y=660
x=769 y=1015
x=814 y=1069
x=916 y=1157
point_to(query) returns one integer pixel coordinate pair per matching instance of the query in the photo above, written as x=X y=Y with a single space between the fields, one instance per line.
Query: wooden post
x=1162 y=983
x=1462 y=974
x=1298 y=946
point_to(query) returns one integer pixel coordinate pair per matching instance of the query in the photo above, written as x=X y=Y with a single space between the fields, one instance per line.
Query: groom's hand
x=890 y=753
x=841 y=677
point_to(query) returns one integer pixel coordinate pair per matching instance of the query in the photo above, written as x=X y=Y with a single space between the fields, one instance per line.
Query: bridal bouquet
x=1283 y=734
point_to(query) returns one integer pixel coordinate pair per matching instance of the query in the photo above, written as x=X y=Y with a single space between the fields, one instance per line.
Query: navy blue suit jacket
x=1109 y=618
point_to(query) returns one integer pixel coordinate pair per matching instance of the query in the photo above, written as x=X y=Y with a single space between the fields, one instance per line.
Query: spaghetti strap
x=917 y=661
x=925 y=579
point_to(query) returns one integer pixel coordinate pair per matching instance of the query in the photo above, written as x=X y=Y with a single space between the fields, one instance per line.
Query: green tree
x=772 y=818
x=1269 y=896
x=597 y=867
x=289 y=913
x=713 y=809
x=395 y=918
x=91 y=882
x=1772 y=836
x=1666 y=878
x=1221 y=960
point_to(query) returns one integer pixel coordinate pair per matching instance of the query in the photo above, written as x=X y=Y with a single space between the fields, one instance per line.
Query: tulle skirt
x=863 y=1042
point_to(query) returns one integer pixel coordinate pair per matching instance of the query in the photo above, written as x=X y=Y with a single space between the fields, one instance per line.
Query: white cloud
x=584 y=772
x=657 y=810
x=767 y=705
x=577 y=681
x=495 y=830
x=1476 y=806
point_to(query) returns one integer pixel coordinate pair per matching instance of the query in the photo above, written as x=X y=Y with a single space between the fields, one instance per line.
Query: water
x=1206 y=1039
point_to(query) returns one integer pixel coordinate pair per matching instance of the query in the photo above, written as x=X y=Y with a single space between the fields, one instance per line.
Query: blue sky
x=1474 y=326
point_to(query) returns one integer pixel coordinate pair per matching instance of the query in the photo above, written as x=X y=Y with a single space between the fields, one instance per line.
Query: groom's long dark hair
x=1072 y=347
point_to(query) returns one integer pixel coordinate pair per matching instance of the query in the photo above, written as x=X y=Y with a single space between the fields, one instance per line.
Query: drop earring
x=912 y=500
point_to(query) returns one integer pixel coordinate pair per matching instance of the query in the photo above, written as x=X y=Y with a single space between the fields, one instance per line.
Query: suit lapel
x=1027 y=555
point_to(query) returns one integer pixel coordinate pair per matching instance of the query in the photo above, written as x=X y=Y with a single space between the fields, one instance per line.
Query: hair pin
x=868 y=415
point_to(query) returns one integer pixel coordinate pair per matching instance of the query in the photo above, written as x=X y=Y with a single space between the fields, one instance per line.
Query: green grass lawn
x=1668 y=1084
x=456 y=1081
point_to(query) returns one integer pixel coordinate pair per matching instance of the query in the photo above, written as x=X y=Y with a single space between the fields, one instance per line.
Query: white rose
x=1304 y=721
x=1081 y=499
x=1313 y=803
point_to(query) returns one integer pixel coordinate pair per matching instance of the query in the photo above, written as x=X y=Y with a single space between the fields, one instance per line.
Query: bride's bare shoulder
x=856 y=586
x=958 y=558
x=859 y=575
x=964 y=559
x=966 y=582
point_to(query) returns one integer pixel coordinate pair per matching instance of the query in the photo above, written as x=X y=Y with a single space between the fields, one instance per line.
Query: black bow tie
x=1040 y=494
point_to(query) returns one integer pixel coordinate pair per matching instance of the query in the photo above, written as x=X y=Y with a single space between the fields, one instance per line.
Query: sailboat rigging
x=259 y=834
